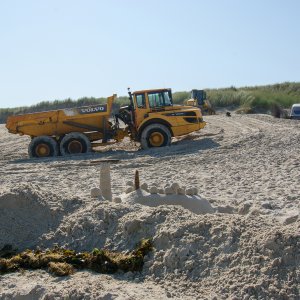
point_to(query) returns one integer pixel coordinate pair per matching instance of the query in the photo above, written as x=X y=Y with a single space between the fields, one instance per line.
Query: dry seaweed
x=62 y=262
x=60 y=269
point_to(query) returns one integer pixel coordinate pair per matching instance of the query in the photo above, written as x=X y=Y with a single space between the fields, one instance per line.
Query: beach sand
x=245 y=167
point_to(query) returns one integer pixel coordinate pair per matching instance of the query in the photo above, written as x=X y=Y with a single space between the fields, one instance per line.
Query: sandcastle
x=104 y=191
x=152 y=195
x=168 y=189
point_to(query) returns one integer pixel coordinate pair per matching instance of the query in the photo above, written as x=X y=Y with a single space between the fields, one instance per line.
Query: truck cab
x=153 y=118
x=150 y=101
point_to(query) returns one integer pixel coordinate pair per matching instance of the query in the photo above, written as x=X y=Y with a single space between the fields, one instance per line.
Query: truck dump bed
x=62 y=121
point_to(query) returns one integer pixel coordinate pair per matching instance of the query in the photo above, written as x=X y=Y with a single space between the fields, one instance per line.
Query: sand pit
x=243 y=243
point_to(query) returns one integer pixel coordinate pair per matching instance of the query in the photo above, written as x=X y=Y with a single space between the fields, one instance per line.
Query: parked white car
x=295 y=111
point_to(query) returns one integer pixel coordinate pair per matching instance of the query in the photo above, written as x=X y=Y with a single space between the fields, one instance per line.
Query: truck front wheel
x=155 y=135
x=43 y=146
x=75 y=143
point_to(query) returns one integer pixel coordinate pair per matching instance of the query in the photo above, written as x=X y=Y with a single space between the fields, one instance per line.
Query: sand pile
x=232 y=255
x=226 y=254
x=27 y=212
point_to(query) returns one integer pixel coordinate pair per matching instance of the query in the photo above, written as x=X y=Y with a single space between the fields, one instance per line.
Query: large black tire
x=75 y=143
x=43 y=146
x=155 y=135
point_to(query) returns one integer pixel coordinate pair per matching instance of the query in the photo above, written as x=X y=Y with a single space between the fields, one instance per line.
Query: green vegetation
x=245 y=99
x=62 y=262
x=58 y=104
x=256 y=99
x=180 y=97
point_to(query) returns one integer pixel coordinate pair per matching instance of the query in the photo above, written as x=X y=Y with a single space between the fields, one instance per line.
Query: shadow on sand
x=182 y=147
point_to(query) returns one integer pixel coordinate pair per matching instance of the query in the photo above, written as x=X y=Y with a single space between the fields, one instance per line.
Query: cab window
x=140 y=101
x=159 y=99
x=168 y=100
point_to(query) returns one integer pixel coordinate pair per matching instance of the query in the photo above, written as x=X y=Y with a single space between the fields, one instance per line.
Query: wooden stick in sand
x=137 y=180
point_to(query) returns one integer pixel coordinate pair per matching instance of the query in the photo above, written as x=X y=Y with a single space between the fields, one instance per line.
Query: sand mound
x=227 y=254
x=230 y=255
x=248 y=255
x=89 y=227
x=27 y=212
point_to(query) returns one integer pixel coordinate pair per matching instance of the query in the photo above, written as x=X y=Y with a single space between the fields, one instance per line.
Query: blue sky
x=57 y=49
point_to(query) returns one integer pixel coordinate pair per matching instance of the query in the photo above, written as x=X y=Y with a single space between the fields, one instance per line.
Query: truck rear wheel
x=75 y=143
x=155 y=135
x=43 y=146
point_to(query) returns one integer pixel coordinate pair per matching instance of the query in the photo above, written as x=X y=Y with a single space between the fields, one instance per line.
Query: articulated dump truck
x=150 y=118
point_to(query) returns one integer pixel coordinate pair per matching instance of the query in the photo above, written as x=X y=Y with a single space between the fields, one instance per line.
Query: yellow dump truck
x=199 y=99
x=151 y=119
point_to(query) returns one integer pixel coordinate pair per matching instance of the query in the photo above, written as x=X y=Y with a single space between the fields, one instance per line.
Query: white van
x=295 y=111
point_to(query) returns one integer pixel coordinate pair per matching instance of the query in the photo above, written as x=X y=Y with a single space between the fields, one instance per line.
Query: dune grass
x=245 y=99
x=257 y=98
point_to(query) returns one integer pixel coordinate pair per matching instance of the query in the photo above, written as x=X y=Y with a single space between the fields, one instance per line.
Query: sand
x=242 y=243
